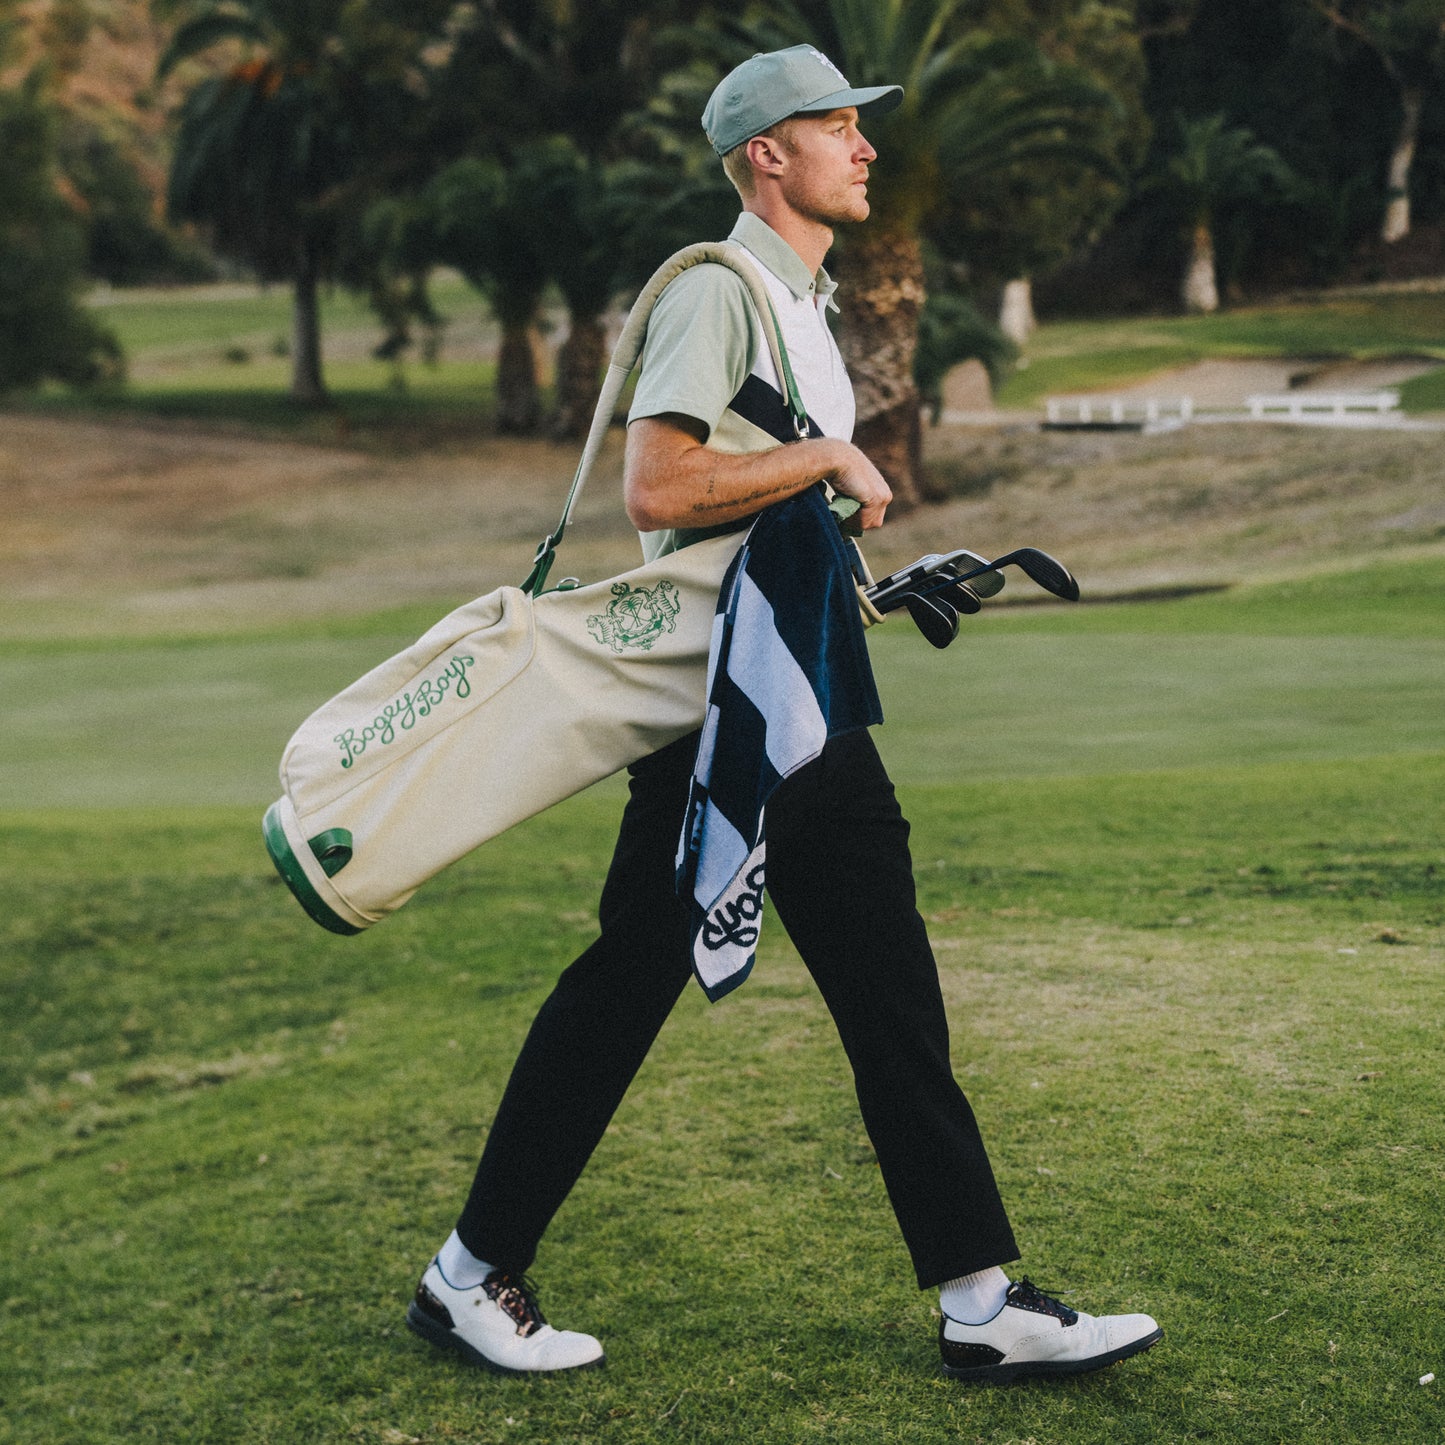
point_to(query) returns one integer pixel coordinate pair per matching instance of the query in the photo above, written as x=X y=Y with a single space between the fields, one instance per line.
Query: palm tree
x=1211 y=165
x=1407 y=37
x=546 y=87
x=973 y=104
x=486 y=225
x=586 y=226
x=280 y=148
x=1022 y=221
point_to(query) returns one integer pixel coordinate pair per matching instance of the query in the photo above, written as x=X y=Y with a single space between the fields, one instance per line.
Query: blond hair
x=739 y=169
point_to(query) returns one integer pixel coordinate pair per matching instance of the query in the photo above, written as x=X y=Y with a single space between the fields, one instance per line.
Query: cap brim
x=869 y=100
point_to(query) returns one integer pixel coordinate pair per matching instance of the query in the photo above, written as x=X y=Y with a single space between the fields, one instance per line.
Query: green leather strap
x=796 y=409
x=332 y=850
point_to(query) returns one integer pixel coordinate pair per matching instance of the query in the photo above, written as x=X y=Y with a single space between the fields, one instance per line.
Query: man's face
x=826 y=171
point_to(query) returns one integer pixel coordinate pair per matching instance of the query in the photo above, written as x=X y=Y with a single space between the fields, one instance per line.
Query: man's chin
x=856 y=209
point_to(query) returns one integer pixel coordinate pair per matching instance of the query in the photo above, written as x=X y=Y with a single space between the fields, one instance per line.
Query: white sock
x=459 y=1266
x=974 y=1299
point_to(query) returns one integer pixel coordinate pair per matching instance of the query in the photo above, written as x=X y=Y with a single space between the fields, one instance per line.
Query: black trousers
x=841 y=880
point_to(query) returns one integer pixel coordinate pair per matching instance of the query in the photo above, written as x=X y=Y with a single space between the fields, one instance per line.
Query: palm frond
x=210 y=27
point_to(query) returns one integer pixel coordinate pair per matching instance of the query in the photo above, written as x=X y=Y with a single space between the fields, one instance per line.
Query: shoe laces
x=516 y=1296
x=1024 y=1294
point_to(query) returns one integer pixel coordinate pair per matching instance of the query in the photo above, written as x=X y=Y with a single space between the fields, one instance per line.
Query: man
x=703 y=455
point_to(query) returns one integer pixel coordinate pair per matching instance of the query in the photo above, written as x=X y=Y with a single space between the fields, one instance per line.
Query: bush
x=45 y=332
x=126 y=244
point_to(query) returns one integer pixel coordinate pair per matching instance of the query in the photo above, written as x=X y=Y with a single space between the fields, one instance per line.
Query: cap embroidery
x=813 y=50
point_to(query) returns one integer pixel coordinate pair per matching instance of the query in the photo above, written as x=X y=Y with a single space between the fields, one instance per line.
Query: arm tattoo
x=758 y=494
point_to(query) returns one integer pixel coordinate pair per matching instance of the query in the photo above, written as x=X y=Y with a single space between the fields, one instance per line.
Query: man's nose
x=863 y=151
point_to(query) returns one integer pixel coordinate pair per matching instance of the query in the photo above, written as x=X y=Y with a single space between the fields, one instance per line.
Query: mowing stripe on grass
x=171 y=725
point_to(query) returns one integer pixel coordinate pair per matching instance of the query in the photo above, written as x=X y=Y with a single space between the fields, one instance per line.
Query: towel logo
x=735 y=920
x=636 y=617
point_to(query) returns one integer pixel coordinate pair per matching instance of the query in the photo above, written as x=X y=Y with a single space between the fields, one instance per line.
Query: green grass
x=177 y=343
x=218 y=355
x=151 y=323
x=1082 y=355
x=1424 y=393
x=452 y=400
x=1328 y=667
x=1182 y=866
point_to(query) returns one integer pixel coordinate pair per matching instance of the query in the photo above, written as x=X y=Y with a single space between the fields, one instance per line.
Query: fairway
x=1181 y=864
x=1353 y=665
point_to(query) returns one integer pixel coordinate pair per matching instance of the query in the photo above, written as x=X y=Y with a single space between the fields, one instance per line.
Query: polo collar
x=780 y=258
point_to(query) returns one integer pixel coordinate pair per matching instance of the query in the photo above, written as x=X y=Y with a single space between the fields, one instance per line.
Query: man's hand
x=858 y=478
x=672 y=479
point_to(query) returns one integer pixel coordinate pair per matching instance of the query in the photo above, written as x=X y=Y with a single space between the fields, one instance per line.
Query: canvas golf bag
x=509 y=704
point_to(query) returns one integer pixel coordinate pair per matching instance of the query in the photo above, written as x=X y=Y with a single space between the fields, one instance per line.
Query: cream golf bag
x=509 y=704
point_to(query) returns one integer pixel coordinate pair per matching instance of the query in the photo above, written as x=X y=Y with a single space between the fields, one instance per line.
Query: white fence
x=1116 y=410
x=1301 y=405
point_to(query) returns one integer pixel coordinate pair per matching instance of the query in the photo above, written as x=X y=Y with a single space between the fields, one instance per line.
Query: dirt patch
x=1196 y=507
x=143 y=527
x=118 y=527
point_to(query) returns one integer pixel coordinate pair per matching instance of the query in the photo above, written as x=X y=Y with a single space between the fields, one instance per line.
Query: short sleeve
x=701 y=341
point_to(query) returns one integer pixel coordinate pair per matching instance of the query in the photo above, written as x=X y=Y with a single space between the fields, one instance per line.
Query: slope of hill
x=104 y=55
x=140 y=527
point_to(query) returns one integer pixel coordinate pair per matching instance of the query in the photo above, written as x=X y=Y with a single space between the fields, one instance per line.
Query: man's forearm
x=673 y=480
x=702 y=487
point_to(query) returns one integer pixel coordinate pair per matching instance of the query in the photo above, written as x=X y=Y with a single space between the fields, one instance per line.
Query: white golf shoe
x=496 y=1324
x=1033 y=1334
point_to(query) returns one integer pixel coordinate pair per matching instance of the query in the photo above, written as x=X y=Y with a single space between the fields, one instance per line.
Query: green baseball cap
x=768 y=88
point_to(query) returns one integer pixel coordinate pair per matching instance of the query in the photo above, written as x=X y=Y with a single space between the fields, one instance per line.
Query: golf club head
x=986 y=583
x=1048 y=572
x=961 y=596
x=936 y=573
x=937 y=621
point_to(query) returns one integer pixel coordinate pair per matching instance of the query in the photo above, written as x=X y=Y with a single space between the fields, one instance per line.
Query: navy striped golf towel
x=787 y=670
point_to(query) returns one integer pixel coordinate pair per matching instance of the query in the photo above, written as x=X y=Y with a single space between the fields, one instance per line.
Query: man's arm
x=672 y=479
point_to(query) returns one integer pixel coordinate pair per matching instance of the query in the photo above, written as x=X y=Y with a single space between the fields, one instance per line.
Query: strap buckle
x=542 y=564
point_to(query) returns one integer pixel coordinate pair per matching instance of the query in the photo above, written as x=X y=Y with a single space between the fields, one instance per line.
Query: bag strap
x=625 y=356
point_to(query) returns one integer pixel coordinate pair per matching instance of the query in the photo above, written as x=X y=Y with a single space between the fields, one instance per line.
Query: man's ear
x=766 y=154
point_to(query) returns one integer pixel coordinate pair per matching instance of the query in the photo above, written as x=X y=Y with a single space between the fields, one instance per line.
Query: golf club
x=887 y=593
x=1039 y=567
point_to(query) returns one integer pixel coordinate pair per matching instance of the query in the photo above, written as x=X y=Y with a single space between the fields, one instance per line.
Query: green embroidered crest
x=636 y=616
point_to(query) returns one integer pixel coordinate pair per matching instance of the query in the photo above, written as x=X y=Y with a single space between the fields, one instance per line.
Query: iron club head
x=961 y=596
x=986 y=582
x=937 y=621
x=934 y=572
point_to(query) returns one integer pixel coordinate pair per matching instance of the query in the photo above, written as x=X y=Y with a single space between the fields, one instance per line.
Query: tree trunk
x=1016 y=314
x=1396 y=225
x=579 y=375
x=519 y=408
x=881 y=305
x=1200 y=292
x=307 y=386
